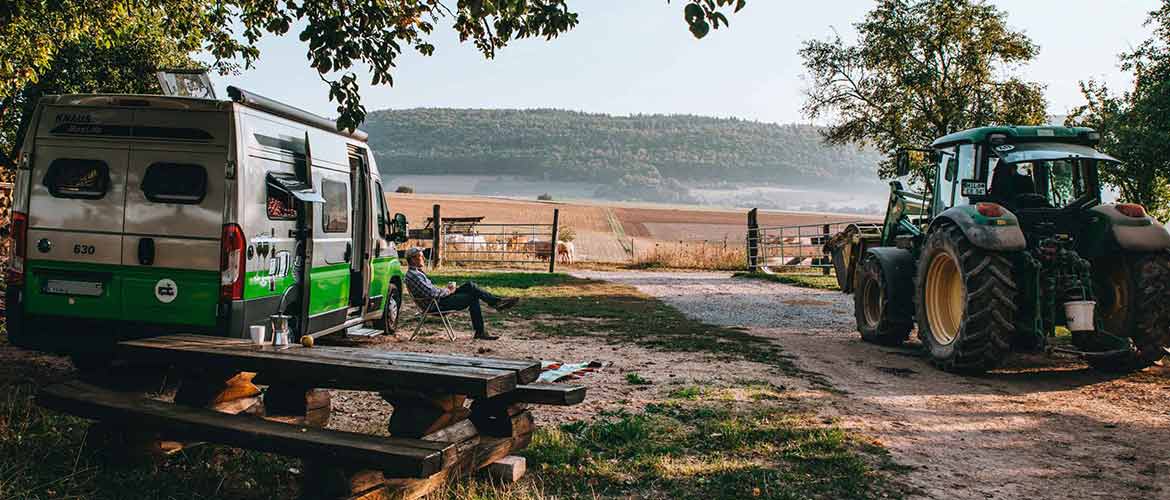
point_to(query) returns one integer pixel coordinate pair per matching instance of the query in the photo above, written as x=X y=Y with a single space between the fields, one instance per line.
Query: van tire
x=391 y=309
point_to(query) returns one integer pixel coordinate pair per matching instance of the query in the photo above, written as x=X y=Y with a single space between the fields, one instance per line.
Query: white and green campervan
x=138 y=215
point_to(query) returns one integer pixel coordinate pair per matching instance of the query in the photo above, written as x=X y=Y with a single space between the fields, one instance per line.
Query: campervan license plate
x=70 y=287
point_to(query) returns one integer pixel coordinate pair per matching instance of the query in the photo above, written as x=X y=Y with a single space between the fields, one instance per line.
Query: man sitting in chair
x=466 y=296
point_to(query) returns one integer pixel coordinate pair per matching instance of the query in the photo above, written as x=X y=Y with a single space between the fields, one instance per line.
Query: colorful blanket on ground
x=553 y=371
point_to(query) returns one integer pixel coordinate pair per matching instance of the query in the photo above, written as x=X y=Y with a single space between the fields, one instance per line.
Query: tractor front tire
x=877 y=319
x=965 y=303
x=1133 y=291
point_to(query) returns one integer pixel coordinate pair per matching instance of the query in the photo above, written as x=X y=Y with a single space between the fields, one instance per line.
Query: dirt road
x=1039 y=428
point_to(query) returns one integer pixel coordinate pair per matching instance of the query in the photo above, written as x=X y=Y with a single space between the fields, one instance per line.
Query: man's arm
x=420 y=284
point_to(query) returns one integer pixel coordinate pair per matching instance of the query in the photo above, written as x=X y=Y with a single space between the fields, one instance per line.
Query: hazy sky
x=636 y=56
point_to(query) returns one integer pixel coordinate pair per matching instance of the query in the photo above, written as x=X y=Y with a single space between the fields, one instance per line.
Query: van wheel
x=391 y=307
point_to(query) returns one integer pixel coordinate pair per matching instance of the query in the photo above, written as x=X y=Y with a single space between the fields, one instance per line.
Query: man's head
x=414 y=257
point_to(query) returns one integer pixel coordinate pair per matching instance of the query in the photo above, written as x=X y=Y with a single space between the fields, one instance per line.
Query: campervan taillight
x=19 y=249
x=231 y=263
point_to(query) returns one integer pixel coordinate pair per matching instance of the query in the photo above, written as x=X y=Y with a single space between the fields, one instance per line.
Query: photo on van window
x=281 y=205
x=180 y=183
x=77 y=178
x=336 y=213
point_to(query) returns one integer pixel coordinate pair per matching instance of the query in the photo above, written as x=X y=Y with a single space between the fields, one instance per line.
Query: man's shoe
x=506 y=303
x=486 y=337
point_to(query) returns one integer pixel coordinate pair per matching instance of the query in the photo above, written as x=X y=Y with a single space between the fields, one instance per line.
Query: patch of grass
x=560 y=305
x=803 y=280
x=46 y=455
x=702 y=449
x=633 y=378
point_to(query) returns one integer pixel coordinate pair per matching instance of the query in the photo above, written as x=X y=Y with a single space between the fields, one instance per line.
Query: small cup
x=257 y=332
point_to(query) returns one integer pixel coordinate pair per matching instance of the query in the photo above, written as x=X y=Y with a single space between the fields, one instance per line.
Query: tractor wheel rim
x=1117 y=280
x=945 y=298
x=872 y=309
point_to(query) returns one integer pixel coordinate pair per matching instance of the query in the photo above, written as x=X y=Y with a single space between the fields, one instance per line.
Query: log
x=412 y=457
x=507 y=470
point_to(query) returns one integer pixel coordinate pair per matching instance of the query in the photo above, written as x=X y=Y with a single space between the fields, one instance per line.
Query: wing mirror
x=398 y=232
x=909 y=160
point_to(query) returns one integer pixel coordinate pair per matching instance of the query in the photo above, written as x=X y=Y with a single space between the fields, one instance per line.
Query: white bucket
x=1080 y=315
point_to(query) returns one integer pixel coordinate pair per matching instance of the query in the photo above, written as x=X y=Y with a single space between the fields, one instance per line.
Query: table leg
x=298 y=404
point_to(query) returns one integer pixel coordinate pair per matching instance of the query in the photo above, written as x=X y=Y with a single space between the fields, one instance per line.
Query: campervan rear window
x=182 y=183
x=78 y=178
x=336 y=213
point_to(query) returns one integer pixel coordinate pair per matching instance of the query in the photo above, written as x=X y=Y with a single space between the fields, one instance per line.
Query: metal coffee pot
x=280 y=331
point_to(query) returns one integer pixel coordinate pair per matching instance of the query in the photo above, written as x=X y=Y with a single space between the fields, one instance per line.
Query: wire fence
x=512 y=244
x=791 y=247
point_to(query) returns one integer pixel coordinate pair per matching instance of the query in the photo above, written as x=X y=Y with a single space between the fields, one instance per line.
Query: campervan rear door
x=174 y=216
x=76 y=204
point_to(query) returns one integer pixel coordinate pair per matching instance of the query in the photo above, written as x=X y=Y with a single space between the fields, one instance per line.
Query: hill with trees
x=648 y=157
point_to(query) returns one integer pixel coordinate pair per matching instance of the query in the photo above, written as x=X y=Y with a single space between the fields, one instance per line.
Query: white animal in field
x=459 y=241
x=565 y=252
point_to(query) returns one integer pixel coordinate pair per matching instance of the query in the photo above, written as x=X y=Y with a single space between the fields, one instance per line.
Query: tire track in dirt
x=1038 y=428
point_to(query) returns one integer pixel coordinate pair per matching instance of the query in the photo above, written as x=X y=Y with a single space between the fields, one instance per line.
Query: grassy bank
x=809 y=279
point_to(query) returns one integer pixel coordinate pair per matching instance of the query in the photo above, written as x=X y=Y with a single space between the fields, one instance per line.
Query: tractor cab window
x=955 y=164
x=1046 y=175
x=1047 y=184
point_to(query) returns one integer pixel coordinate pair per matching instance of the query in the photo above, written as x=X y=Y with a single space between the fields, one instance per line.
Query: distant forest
x=639 y=157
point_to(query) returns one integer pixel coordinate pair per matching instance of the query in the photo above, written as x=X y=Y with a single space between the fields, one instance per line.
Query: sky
x=636 y=56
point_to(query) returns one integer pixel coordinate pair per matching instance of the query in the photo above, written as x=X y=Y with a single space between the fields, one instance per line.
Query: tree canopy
x=121 y=62
x=338 y=34
x=921 y=69
x=1135 y=124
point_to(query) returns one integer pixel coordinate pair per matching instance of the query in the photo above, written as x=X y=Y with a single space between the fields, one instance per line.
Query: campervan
x=140 y=215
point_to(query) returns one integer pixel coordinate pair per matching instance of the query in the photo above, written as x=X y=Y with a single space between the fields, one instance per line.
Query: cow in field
x=565 y=252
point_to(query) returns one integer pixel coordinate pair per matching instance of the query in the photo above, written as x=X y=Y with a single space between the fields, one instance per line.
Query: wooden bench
x=436 y=436
x=402 y=457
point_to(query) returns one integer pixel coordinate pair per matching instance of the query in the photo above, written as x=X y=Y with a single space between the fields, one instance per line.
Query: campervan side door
x=329 y=276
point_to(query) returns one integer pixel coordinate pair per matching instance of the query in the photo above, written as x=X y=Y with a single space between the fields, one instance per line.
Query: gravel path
x=1039 y=428
x=719 y=299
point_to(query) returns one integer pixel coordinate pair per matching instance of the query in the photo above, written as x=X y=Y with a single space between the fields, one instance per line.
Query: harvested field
x=611 y=232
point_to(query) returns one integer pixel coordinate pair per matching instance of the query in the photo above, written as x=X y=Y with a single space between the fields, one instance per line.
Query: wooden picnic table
x=434 y=435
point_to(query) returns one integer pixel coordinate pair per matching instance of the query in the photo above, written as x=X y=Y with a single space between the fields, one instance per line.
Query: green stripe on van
x=128 y=293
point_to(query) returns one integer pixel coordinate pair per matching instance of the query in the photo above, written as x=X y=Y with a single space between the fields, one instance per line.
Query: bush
x=545 y=197
x=404 y=189
x=566 y=233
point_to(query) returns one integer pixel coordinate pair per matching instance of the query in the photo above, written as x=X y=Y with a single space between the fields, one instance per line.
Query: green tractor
x=1010 y=249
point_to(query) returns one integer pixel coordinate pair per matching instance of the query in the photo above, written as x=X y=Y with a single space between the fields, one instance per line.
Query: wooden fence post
x=753 y=239
x=552 y=254
x=436 y=238
x=824 y=239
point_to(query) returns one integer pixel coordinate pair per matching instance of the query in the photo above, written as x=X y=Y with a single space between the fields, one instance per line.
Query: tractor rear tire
x=1133 y=291
x=965 y=302
x=878 y=322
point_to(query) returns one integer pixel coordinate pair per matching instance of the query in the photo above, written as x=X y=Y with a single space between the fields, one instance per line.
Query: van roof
x=239 y=96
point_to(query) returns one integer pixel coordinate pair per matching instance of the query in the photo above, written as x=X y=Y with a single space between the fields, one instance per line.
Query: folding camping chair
x=430 y=307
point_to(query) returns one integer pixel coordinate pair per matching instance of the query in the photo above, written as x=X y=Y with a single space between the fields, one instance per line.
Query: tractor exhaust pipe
x=1080 y=315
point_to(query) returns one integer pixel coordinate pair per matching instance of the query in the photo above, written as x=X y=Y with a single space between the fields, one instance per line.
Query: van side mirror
x=399 y=231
